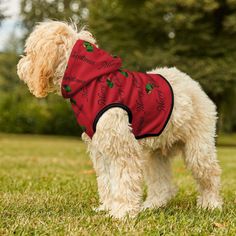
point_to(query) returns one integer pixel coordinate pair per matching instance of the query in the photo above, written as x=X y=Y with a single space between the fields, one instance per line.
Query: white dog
x=120 y=160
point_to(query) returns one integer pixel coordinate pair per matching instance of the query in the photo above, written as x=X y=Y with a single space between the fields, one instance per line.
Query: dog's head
x=47 y=51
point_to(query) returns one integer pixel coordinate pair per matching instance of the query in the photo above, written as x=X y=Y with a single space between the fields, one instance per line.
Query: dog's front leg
x=100 y=165
x=122 y=151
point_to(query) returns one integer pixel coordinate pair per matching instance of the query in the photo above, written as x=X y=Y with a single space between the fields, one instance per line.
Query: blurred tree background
x=198 y=37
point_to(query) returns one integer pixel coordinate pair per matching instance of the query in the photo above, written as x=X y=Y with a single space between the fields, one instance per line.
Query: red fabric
x=94 y=83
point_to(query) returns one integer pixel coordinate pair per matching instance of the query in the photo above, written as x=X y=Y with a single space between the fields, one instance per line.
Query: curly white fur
x=121 y=162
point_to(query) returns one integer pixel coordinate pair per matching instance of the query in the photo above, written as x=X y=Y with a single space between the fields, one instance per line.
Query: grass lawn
x=48 y=187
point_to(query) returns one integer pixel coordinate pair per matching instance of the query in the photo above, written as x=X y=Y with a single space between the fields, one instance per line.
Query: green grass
x=48 y=187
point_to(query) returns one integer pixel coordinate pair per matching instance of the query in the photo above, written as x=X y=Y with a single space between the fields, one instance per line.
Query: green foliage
x=8 y=76
x=22 y=113
x=48 y=187
x=33 y=11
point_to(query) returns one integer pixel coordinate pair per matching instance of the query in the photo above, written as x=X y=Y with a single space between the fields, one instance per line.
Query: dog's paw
x=153 y=204
x=159 y=200
x=210 y=202
x=102 y=207
x=124 y=211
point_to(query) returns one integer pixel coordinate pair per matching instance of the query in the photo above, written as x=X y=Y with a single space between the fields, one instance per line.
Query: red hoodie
x=95 y=82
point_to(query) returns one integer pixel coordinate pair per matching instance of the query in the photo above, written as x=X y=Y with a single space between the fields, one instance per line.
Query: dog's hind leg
x=200 y=158
x=118 y=145
x=158 y=177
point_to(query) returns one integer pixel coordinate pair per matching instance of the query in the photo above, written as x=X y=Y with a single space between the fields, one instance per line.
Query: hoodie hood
x=86 y=63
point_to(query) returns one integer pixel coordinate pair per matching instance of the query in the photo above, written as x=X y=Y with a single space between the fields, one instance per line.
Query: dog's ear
x=46 y=50
x=23 y=67
x=37 y=68
x=45 y=65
